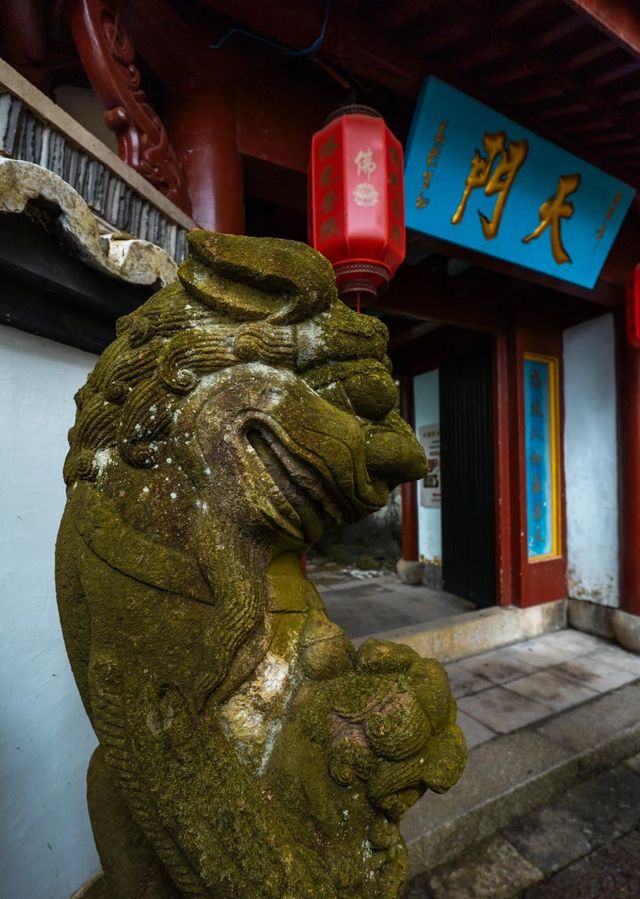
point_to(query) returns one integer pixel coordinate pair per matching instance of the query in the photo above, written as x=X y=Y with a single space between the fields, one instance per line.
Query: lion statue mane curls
x=246 y=748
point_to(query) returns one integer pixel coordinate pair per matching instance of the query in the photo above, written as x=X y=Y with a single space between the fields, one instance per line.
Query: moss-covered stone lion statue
x=247 y=749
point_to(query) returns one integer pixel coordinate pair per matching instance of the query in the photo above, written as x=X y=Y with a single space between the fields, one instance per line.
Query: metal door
x=468 y=482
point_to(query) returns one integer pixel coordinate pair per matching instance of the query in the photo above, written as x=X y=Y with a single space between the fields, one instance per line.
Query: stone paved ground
x=506 y=689
x=538 y=716
x=370 y=602
x=583 y=845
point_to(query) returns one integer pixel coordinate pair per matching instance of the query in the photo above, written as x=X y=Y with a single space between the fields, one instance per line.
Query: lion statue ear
x=245 y=279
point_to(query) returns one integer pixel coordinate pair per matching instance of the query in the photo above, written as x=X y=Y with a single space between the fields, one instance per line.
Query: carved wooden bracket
x=108 y=55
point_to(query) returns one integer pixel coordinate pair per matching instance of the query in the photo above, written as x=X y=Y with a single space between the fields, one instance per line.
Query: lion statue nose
x=392 y=452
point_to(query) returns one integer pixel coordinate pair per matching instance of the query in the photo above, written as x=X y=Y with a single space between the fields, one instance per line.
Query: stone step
x=512 y=774
x=459 y=636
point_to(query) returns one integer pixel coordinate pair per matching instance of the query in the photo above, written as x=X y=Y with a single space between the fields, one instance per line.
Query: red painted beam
x=180 y=54
x=277 y=115
x=349 y=38
x=618 y=19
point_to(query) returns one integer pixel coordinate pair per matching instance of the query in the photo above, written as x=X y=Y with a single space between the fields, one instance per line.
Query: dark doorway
x=468 y=490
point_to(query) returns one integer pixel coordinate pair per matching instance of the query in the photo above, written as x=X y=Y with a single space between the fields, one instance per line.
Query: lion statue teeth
x=246 y=748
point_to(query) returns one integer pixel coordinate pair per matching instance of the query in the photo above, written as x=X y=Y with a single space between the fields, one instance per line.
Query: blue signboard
x=477 y=179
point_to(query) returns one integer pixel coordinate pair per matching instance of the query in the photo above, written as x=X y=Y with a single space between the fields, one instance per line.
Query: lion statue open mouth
x=246 y=748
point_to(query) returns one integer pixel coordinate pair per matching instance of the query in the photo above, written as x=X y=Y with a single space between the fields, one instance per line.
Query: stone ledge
x=474 y=632
x=35 y=129
x=50 y=112
x=513 y=774
x=128 y=259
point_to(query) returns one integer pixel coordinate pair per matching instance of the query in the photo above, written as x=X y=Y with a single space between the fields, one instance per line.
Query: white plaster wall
x=84 y=106
x=46 y=846
x=591 y=461
x=426 y=400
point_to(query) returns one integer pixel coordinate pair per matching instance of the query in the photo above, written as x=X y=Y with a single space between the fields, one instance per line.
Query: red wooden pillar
x=203 y=132
x=409 y=494
x=629 y=456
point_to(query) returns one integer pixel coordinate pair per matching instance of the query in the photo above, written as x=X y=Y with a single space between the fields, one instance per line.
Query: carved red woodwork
x=108 y=55
x=356 y=215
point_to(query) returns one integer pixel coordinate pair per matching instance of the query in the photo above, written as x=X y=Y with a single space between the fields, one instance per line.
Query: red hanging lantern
x=356 y=209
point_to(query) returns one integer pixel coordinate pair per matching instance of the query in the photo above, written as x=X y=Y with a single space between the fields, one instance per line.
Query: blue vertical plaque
x=541 y=436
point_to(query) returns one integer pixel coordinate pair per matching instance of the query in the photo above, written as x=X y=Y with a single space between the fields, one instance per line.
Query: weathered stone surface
x=31 y=189
x=590 y=617
x=503 y=778
x=610 y=871
x=594 y=725
x=495 y=870
x=510 y=775
x=626 y=627
x=464 y=635
x=247 y=749
x=409 y=572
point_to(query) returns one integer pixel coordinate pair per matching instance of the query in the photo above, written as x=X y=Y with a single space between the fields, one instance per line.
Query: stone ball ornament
x=246 y=748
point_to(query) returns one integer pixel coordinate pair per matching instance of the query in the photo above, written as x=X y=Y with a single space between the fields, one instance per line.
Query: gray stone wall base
x=603 y=621
x=627 y=629
x=591 y=617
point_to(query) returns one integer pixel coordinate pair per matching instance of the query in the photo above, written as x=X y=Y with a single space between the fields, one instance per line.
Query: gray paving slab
x=595 y=724
x=593 y=672
x=498 y=666
x=474 y=732
x=359 y=622
x=540 y=652
x=369 y=607
x=549 y=838
x=494 y=871
x=633 y=762
x=503 y=710
x=553 y=691
x=513 y=773
x=577 y=824
x=620 y=658
x=611 y=872
x=462 y=681
x=607 y=805
x=573 y=642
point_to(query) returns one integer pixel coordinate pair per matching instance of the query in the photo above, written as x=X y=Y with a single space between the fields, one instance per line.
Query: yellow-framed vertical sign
x=542 y=456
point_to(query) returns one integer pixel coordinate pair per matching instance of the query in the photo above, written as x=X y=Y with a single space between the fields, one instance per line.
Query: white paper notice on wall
x=430 y=485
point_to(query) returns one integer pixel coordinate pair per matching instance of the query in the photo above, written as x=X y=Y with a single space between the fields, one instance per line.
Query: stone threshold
x=512 y=774
x=471 y=633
